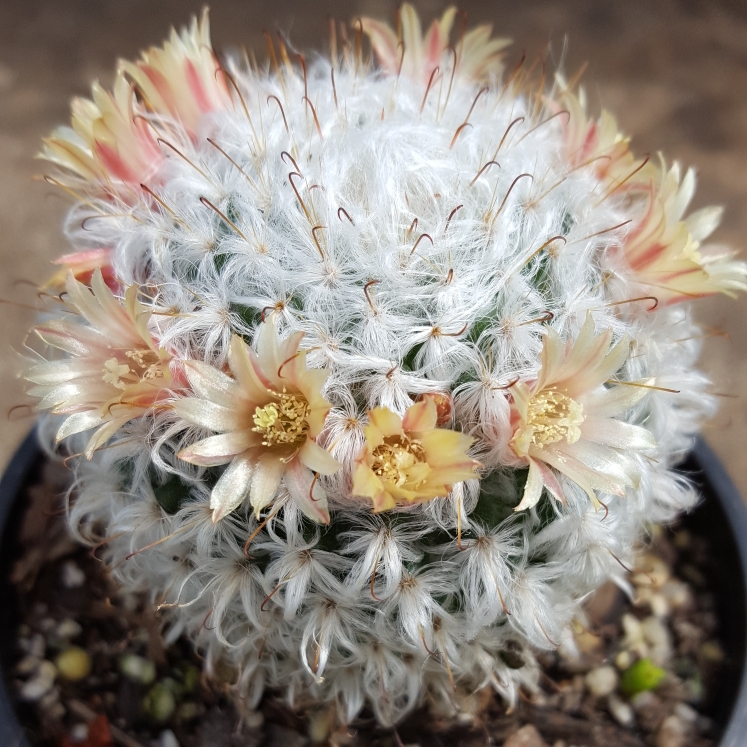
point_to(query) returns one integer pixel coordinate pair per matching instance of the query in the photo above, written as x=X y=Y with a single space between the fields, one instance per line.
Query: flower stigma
x=119 y=374
x=114 y=371
x=282 y=422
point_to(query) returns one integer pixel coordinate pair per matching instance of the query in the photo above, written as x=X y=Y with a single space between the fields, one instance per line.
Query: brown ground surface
x=674 y=71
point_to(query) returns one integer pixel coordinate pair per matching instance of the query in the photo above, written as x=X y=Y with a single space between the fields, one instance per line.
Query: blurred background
x=673 y=71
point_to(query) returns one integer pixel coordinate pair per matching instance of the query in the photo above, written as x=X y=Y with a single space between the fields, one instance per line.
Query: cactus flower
x=477 y=54
x=83 y=265
x=597 y=143
x=113 y=141
x=662 y=249
x=116 y=372
x=408 y=460
x=564 y=420
x=268 y=418
x=183 y=79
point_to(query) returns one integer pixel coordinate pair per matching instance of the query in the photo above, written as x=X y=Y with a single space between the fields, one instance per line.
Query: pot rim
x=19 y=470
x=716 y=481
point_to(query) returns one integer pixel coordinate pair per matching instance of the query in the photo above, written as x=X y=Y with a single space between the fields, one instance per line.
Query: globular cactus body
x=388 y=369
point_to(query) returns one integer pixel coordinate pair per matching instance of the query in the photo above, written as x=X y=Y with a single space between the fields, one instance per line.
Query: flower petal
x=210 y=383
x=587 y=356
x=245 y=367
x=266 y=480
x=107 y=430
x=268 y=353
x=702 y=223
x=231 y=489
x=588 y=464
x=318 y=459
x=551 y=482
x=383 y=42
x=316 y=416
x=293 y=367
x=551 y=359
x=373 y=439
x=446 y=448
x=532 y=489
x=219 y=449
x=616 y=433
x=306 y=492
x=61 y=371
x=209 y=415
x=386 y=421
x=420 y=417
x=585 y=346
x=367 y=485
x=599 y=372
x=572 y=469
x=412 y=35
x=72 y=338
x=77 y=423
x=607 y=403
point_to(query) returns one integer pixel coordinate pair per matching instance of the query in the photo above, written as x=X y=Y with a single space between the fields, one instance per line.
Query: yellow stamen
x=400 y=460
x=552 y=417
x=282 y=422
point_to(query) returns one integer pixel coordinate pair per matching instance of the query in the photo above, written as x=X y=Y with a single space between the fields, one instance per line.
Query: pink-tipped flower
x=408 y=459
x=565 y=419
x=268 y=417
x=113 y=141
x=662 y=249
x=478 y=55
x=110 y=142
x=83 y=265
x=115 y=370
x=183 y=79
x=597 y=143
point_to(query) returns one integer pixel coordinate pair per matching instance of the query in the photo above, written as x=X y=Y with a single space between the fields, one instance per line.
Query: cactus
x=374 y=367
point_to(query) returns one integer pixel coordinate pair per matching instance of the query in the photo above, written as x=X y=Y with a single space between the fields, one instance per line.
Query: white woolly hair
x=421 y=274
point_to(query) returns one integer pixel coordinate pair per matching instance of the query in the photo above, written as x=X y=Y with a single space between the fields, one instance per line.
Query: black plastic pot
x=24 y=469
x=722 y=517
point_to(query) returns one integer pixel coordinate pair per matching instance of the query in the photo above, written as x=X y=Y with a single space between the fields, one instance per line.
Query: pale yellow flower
x=663 y=248
x=113 y=141
x=597 y=143
x=115 y=371
x=565 y=419
x=478 y=55
x=408 y=459
x=183 y=79
x=268 y=417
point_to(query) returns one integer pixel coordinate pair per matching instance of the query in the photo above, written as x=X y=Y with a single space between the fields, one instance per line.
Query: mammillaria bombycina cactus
x=374 y=366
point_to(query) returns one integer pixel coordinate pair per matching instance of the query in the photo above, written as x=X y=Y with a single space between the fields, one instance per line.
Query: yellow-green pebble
x=73 y=664
x=159 y=702
x=642 y=676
